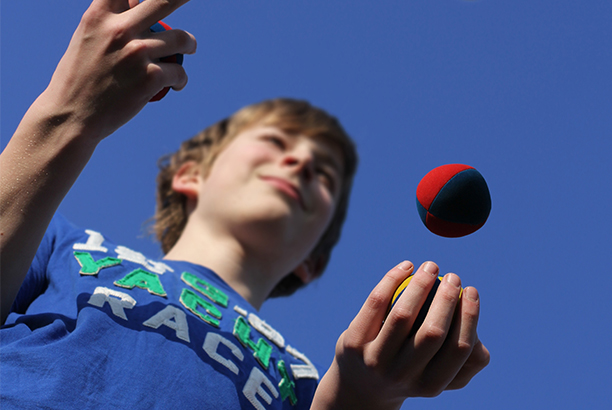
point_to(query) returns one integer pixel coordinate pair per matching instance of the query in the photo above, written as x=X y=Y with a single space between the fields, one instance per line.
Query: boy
x=248 y=209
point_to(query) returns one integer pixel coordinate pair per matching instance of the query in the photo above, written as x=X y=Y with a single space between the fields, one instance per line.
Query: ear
x=311 y=268
x=186 y=180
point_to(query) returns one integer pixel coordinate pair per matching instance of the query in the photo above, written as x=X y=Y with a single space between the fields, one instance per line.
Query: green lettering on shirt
x=262 y=350
x=205 y=288
x=140 y=278
x=91 y=267
x=192 y=301
x=286 y=385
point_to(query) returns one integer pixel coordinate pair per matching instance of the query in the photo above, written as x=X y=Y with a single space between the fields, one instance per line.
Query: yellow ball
x=424 y=309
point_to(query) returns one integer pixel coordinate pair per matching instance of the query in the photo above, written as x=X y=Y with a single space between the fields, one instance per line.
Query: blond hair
x=292 y=116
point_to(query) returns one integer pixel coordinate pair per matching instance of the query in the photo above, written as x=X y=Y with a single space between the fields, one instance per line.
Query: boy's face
x=273 y=190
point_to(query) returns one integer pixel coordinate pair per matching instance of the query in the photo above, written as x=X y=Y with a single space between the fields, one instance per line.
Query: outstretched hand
x=109 y=72
x=112 y=66
x=378 y=364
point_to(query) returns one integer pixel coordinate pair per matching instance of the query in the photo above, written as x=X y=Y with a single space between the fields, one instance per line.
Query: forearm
x=109 y=72
x=37 y=168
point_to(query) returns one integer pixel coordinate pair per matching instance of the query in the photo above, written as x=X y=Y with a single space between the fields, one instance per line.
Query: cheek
x=248 y=160
x=239 y=163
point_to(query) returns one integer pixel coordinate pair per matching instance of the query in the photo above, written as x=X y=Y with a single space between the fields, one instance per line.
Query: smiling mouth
x=287 y=188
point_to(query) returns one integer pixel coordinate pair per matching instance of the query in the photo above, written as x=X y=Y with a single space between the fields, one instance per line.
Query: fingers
x=135 y=15
x=119 y=6
x=362 y=329
x=170 y=42
x=443 y=349
x=149 y=12
x=165 y=76
x=114 y=6
x=399 y=322
x=451 y=360
x=444 y=353
x=435 y=328
x=478 y=360
x=153 y=48
x=168 y=46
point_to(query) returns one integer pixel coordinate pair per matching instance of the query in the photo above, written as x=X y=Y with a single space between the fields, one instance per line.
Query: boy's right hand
x=112 y=66
x=109 y=72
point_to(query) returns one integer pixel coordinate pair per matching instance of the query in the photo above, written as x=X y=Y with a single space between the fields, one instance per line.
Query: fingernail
x=431 y=268
x=471 y=294
x=406 y=266
x=453 y=279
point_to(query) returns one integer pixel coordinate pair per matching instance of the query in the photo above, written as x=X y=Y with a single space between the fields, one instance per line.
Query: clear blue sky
x=520 y=90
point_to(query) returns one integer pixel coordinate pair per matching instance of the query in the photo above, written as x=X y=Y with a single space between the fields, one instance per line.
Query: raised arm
x=109 y=72
x=378 y=366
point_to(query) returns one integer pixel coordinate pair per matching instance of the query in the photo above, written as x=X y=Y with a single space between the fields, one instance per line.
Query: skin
x=259 y=212
x=378 y=367
x=251 y=229
x=110 y=71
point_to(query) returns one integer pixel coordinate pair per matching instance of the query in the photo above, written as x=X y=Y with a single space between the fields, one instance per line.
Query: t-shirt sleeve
x=35 y=282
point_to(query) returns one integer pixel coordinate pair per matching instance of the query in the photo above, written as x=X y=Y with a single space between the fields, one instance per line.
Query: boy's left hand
x=377 y=365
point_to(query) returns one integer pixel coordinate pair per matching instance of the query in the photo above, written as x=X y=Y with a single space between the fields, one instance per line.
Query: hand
x=112 y=66
x=378 y=365
x=109 y=72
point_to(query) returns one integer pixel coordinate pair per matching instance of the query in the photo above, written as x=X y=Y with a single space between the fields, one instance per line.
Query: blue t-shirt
x=98 y=325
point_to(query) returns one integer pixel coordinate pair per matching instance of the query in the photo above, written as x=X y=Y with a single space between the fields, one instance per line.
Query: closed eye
x=276 y=140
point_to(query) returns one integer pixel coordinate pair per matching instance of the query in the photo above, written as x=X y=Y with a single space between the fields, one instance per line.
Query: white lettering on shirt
x=172 y=317
x=211 y=343
x=94 y=242
x=137 y=257
x=117 y=300
x=254 y=387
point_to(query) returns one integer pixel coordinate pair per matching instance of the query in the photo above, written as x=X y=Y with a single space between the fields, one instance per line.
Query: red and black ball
x=453 y=200
x=176 y=58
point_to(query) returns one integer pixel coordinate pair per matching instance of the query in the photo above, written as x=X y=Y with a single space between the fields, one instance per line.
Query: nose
x=301 y=161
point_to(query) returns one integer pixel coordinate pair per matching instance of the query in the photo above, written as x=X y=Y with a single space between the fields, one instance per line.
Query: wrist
x=336 y=392
x=55 y=125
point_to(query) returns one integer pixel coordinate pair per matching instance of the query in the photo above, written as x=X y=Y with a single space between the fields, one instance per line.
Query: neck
x=249 y=274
